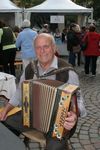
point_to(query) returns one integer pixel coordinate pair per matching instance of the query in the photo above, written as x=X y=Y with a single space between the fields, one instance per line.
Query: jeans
x=72 y=58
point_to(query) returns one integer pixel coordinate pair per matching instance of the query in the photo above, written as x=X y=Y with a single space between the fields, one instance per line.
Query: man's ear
x=55 y=48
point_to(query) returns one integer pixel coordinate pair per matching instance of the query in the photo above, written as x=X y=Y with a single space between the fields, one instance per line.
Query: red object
x=93 y=44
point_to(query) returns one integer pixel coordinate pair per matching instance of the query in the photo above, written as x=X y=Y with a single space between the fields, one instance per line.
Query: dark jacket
x=72 y=40
x=7 y=37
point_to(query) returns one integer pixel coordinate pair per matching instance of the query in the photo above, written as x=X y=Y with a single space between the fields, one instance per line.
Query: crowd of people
x=73 y=36
x=88 y=39
x=85 y=39
x=40 y=48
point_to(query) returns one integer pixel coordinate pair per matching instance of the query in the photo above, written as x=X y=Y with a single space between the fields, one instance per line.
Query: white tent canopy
x=10 y=13
x=59 y=6
x=8 y=6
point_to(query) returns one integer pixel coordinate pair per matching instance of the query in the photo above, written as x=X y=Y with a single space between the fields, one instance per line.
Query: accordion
x=45 y=104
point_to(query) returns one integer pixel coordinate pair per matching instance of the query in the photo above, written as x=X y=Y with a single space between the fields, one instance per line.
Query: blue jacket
x=25 y=41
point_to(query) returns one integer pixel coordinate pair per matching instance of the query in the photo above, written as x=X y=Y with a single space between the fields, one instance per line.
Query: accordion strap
x=35 y=68
x=56 y=71
x=52 y=72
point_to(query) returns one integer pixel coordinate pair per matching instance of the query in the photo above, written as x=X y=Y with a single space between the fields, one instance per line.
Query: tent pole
x=23 y=13
x=92 y=15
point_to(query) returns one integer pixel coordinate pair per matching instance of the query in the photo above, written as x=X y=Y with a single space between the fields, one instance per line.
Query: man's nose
x=42 y=49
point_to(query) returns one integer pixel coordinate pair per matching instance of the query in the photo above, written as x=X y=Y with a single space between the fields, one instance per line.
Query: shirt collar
x=54 y=65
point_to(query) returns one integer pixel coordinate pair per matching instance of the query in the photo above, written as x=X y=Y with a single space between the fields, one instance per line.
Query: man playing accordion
x=46 y=62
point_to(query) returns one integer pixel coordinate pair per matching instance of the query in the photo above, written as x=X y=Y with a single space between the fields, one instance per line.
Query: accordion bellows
x=46 y=103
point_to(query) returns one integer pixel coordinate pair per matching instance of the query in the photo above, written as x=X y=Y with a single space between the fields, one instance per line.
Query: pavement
x=87 y=135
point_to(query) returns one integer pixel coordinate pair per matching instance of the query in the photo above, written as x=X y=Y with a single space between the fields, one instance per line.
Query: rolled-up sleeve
x=16 y=99
x=73 y=79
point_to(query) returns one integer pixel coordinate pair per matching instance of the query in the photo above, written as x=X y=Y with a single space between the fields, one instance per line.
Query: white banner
x=56 y=19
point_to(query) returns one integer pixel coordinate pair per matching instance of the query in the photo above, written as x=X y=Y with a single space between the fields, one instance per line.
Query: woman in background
x=73 y=40
x=92 y=51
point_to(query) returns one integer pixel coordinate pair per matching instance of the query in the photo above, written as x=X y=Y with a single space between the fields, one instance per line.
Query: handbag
x=84 y=46
x=76 y=49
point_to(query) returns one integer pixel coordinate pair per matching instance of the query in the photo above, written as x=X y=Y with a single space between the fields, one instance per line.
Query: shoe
x=87 y=74
x=93 y=75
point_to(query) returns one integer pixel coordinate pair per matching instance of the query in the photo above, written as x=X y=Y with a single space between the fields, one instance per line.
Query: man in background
x=25 y=42
x=8 y=49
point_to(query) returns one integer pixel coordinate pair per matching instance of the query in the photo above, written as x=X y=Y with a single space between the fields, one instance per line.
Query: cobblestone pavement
x=87 y=135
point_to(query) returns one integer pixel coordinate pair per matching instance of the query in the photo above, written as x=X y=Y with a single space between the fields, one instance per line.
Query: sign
x=56 y=19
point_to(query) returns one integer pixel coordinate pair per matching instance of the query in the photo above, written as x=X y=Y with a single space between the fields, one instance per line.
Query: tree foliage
x=95 y=4
x=27 y=3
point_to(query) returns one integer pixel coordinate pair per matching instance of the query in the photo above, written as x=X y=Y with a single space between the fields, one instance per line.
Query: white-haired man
x=25 y=42
x=46 y=62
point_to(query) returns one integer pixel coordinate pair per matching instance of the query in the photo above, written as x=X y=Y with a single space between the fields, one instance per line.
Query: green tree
x=91 y=3
x=27 y=3
x=96 y=6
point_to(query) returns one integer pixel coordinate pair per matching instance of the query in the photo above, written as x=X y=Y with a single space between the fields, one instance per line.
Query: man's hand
x=4 y=112
x=70 y=120
x=3 y=115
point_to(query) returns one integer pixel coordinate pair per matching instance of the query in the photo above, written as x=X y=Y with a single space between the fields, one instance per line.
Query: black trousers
x=14 y=123
x=78 y=58
x=90 y=64
x=8 y=59
x=55 y=144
